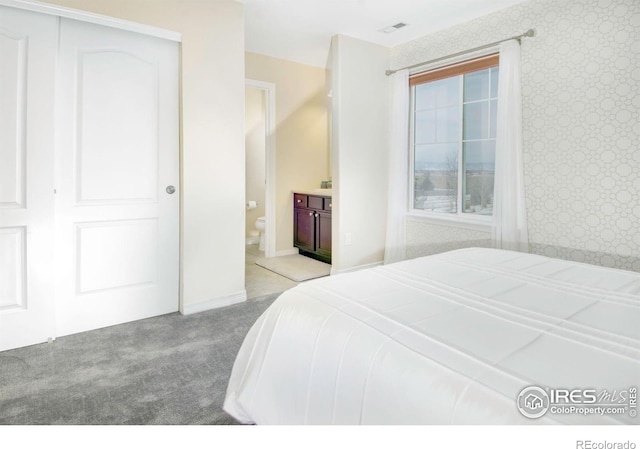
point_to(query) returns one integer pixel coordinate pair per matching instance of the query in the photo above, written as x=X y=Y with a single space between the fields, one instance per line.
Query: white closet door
x=117 y=154
x=27 y=83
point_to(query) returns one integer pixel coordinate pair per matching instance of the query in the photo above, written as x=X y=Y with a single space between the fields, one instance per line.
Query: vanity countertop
x=318 y=192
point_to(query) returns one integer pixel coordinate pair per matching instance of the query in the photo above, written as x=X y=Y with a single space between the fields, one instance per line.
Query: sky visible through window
x=454 y=127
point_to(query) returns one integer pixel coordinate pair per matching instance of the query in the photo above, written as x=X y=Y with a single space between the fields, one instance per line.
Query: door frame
x=269 y=90
x=90 y=17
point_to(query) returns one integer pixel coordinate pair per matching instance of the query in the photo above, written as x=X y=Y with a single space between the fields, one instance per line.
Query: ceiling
x=301 y=30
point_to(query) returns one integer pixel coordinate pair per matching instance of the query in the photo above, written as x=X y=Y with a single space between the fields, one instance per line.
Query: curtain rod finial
x=530 y=32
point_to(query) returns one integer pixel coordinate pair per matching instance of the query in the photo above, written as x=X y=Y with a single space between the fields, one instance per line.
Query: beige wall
x=302 y=142
x=255 y=146
x=359 y=147
x=213 y=160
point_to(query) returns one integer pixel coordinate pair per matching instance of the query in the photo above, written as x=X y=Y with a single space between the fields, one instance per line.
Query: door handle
x=170 y=190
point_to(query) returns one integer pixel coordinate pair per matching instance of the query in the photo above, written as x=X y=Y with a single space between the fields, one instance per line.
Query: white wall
x=213 y=159
x=581 y=124
x=359 y=152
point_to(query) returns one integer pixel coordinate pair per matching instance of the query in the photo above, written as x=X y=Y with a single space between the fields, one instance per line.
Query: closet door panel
x=12 y=275
x=116 y=224
x=117 y=141
x=28 y=47
x=13 y=108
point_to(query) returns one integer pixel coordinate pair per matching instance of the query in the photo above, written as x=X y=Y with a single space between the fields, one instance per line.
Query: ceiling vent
x=392 y=28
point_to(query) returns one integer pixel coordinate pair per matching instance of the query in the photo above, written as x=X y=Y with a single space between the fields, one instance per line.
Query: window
x=453 y=132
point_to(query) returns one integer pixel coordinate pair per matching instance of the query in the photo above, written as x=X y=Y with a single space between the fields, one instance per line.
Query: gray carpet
x=171 y=369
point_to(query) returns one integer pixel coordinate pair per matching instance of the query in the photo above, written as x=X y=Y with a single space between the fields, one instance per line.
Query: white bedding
x=445 y=339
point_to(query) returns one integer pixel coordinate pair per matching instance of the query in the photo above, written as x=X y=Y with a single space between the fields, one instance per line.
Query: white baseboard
x=287 y=252
x=216 y=303
x=358 y=268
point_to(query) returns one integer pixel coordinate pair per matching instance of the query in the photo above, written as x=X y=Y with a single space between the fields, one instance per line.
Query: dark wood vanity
x=312 y=225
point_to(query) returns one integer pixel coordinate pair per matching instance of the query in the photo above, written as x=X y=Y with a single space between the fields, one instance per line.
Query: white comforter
x=451 y=338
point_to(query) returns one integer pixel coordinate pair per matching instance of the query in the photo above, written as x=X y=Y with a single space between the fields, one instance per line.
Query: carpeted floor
x=171 y=369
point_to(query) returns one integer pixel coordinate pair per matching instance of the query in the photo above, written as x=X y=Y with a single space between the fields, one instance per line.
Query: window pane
x=447 y=92
x=448 y=128
x=437 y=94
x=479 y=166
x=425 y=127
x=436 y=177
x=476 y=120
x=476 y=85
x=425 y=96
x=494 y=82
x=444 y=133
x=493 y=118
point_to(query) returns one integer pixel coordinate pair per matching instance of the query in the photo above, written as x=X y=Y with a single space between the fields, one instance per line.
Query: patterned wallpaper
x=581 y=103
x=427 y=238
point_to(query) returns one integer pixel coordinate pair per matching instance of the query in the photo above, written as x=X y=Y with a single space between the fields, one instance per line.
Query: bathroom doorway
x=260 y=162
x=260 y=189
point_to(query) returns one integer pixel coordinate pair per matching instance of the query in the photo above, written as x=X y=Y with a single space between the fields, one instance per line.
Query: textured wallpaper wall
x=581 y=103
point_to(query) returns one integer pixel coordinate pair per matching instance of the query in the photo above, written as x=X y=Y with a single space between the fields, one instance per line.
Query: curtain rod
x=529 y=33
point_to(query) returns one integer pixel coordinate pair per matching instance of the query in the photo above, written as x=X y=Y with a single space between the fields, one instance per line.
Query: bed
x=453 y=338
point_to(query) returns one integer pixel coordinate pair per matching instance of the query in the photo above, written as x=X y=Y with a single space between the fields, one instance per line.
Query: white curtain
x=395 y=245
x=509 y=211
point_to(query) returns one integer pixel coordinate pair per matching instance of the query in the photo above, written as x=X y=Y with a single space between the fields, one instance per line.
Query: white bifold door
x=94 y=241
x=116 y=218
x=28 y=47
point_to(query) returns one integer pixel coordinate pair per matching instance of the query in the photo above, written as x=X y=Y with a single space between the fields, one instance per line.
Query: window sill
x=471 y=223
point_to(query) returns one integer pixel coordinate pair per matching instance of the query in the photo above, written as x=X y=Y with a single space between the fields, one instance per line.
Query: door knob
x=170 y=190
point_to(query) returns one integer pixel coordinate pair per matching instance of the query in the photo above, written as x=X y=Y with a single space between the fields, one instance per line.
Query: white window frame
x=459 y=219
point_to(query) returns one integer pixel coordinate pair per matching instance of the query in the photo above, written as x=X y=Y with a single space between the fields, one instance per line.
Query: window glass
x=479 y=166
x=476 y=120
x=436 y=177
x=448 y=124
x=425 y=127
x=494 y=82
x=476 y=85
x=492 y=118
x=453 y=129
x=437 y=94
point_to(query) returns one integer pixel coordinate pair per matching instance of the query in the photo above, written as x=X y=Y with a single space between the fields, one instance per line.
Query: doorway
x=265 y=93
x=260 y=142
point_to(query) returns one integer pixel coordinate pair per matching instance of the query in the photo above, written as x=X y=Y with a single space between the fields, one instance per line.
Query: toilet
x=261 y=225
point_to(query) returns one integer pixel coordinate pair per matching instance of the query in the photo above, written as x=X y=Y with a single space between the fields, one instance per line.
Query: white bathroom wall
x=359 y=152
x=255 y=147
x=581 y=123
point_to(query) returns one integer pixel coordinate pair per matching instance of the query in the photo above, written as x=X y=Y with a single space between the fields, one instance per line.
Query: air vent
x=392 y=28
